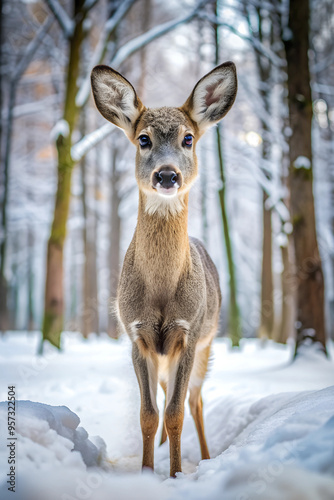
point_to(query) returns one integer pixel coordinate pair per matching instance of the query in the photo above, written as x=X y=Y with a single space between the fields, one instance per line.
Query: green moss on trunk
x=54 y=302
x=234 y=312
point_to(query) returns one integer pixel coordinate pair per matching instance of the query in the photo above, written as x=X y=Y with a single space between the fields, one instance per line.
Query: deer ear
x=115 y=98
x=212 y=96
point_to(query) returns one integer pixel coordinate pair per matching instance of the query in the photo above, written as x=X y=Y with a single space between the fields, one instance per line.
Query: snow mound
x=302 y=162
x=53 y=433
x=47 y=437
x=281 y=443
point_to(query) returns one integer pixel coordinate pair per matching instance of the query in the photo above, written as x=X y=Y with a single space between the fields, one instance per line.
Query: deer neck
x=162 y=249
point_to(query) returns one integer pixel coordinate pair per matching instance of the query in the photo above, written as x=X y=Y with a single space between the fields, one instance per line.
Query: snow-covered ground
x=269 y=425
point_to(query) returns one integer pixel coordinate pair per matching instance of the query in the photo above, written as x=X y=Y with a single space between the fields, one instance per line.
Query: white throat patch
x=163 y=205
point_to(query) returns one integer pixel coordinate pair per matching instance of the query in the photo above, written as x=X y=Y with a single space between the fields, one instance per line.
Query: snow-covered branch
x=89 y=141
x=140 y=41
x=66 y=24
x=275 y=196
x=111 y=24
x=34 y=107
x=256 y=44
x=256 y=104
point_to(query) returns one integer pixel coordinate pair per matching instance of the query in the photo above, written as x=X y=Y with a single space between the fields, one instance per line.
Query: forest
x=264 y=204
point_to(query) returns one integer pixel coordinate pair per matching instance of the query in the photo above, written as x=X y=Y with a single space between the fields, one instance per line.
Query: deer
x=168 y=296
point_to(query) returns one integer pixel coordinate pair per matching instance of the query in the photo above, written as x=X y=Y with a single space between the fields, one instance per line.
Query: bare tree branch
x=66 y=24
x=130 y=47
x=89 y=4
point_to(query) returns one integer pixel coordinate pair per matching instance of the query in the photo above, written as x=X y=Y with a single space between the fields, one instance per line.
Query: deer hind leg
x=146 y=369
x=179 y=373
x=164 y=430
x=195 y=398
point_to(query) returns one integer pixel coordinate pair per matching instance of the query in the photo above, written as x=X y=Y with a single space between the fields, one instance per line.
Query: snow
x=282 y=240
x=288 y=228
x=61 y=128
x=269 y=424
x=302 y=162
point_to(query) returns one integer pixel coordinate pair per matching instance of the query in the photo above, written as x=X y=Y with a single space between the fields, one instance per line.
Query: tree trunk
x=115 y=241
x=90 y=316
x=3 y=242
x=3 y=284
x=265 y=71
x=146 y=9
x=19 y=70
x=234 y=312
x=204 y=171
x=287 y=313
x=204 y=193
x=1 y=89
x=310 y=292
x=267 y=288
x=267 y=304
x=31 y=287
x=54 y=294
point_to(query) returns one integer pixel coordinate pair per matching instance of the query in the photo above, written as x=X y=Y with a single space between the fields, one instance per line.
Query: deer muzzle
x=166 y=181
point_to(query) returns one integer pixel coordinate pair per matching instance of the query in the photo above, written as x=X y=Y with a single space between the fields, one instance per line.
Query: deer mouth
x=164 y=191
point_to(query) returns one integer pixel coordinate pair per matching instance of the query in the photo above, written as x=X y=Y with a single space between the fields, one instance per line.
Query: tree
x=322 y=74
x=90 y=312
x=114 y=238
x=265 y=68
x=234 y=312
x=25 y=59
x=264 y=37
x=310 y=292
x=53 y=313
x=287 y=321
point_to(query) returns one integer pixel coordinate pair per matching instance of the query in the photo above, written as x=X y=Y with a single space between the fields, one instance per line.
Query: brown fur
x=168 y=295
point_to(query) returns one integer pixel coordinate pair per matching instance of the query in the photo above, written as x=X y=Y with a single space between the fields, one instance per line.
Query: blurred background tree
x=68 y=193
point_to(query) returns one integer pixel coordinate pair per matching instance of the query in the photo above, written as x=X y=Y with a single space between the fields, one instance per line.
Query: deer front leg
x=146 y=371
x=177 y=386
x=164 y=431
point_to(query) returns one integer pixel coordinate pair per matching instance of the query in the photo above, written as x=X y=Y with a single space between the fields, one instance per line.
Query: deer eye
x=188 y=140
x=144 y=141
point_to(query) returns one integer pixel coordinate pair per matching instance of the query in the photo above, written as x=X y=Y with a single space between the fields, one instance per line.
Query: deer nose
x=166 y=178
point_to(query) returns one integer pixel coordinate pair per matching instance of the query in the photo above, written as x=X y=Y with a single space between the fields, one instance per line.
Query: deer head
x=165 y=138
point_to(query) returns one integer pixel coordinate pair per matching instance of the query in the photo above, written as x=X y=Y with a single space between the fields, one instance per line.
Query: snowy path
x=269 y=424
